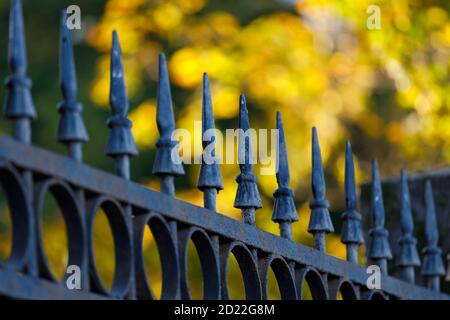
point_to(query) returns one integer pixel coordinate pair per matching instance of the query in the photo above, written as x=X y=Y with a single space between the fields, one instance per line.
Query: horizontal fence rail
x=28 y=173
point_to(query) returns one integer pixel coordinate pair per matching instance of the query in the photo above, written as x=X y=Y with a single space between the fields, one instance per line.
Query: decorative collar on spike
x=284 y=209
x=120 y=140
x=247 y=195
x=210 y=176
x=71 y=126
x=408 y=255
x=320 y=221
x=19 y=102
x=351 y=228
x=432 y=261
x=164 y=163
x=379 y=247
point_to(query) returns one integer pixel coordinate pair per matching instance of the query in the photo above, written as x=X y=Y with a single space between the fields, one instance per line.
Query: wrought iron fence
x=27 y=173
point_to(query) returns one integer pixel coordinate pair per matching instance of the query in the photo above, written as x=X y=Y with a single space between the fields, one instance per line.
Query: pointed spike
x=431 y=230
x=379 y=248
x=244 y=147
x=282 y=174
x=377 y=197
x=318 y=180
x=284 y=209
x=405 y=205
x=121 y=143
x=433 y=266
x=350 y=187
x=71 y=129
x=407 y=257
x=118 y=94
x=351 y=234
x=210 y=179
x=320 y=221
x=207 y=113
x=247 y=195
x=165 y=166
x=19 y=104
x=68 y=79
x=207 y=108
x=244 y=122
x=17 y=46
x=164 y=116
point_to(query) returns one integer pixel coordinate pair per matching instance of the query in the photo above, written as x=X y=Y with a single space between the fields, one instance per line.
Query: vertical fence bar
x=284 y=211
x=379 y=249
x=71 y=130
x=167 y=164
x=210 y=179
x=19 y=108
x=433 y=266
x=320 y=222
x=121 y=144
x=247 y=195
x=351 y=234
x=408 y=257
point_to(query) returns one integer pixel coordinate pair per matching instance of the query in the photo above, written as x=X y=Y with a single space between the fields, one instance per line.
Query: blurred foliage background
x=386 y=90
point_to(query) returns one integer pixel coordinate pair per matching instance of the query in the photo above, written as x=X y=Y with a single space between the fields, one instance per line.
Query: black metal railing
x=28 y=173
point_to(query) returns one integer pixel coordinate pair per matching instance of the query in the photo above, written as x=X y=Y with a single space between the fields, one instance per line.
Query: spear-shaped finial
x=432 y=267
x=71 y=129
x=210 y=179
x=19 y=105
x=351 y=229
x=379 y=249
x=284 y=210
x=247 y=195
x=320 y=221
x=167 y=165
x=120 y=141
x=408 y=257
